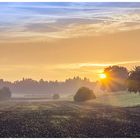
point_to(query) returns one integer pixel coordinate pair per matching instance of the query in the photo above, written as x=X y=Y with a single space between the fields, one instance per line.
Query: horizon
x=76 y=76
x=46 y=80
x=58 y=40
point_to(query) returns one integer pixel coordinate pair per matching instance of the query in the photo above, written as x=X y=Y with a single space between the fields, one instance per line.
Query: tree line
x=29 y=86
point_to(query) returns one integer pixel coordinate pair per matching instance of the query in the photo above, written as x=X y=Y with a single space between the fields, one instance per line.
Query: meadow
x=107 y=116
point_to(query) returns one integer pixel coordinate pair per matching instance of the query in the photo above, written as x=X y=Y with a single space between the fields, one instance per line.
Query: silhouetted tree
x=84 y=94
x=116 y=78
x=133 y=81
x=56 y=96
x=5 y=93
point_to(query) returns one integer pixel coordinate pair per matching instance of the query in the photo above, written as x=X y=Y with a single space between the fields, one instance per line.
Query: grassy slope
x=122 y=99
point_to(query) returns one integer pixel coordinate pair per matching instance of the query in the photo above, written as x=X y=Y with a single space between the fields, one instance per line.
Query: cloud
x=89 y=66
x=50 y=21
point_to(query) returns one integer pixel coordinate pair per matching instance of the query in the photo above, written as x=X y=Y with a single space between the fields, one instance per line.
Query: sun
x=103 y=76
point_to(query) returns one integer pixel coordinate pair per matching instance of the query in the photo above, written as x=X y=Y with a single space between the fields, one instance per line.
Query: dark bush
x=56 y=96
x=5 y=93
x=84 y=94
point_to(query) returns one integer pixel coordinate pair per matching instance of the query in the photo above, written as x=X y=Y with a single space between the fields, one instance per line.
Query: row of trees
x=30 y=86
x=119 y=78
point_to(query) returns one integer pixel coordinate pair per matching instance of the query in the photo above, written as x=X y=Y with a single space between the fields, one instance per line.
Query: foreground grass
x=67 y=119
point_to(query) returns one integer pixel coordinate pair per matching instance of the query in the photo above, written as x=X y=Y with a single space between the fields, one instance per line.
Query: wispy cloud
x=19 y=21
x=91 y=65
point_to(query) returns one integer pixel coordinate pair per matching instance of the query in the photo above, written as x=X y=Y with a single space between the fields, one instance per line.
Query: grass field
x=107 y=116
x=122 y=99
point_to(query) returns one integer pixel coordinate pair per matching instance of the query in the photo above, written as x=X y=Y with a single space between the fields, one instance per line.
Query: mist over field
x=31 y=88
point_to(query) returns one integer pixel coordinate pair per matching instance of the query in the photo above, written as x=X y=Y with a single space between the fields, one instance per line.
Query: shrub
x=133 y=82
x=5 y=93
x=84 y=94
x=56 y=96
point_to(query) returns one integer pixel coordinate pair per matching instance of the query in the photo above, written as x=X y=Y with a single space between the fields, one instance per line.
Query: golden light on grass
x=103 y=76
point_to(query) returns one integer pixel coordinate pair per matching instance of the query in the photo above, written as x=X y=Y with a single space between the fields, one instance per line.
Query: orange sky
x=60 y=59
x=55 y=41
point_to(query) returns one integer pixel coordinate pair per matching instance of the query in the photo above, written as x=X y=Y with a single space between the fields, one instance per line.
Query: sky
x=58 y=40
